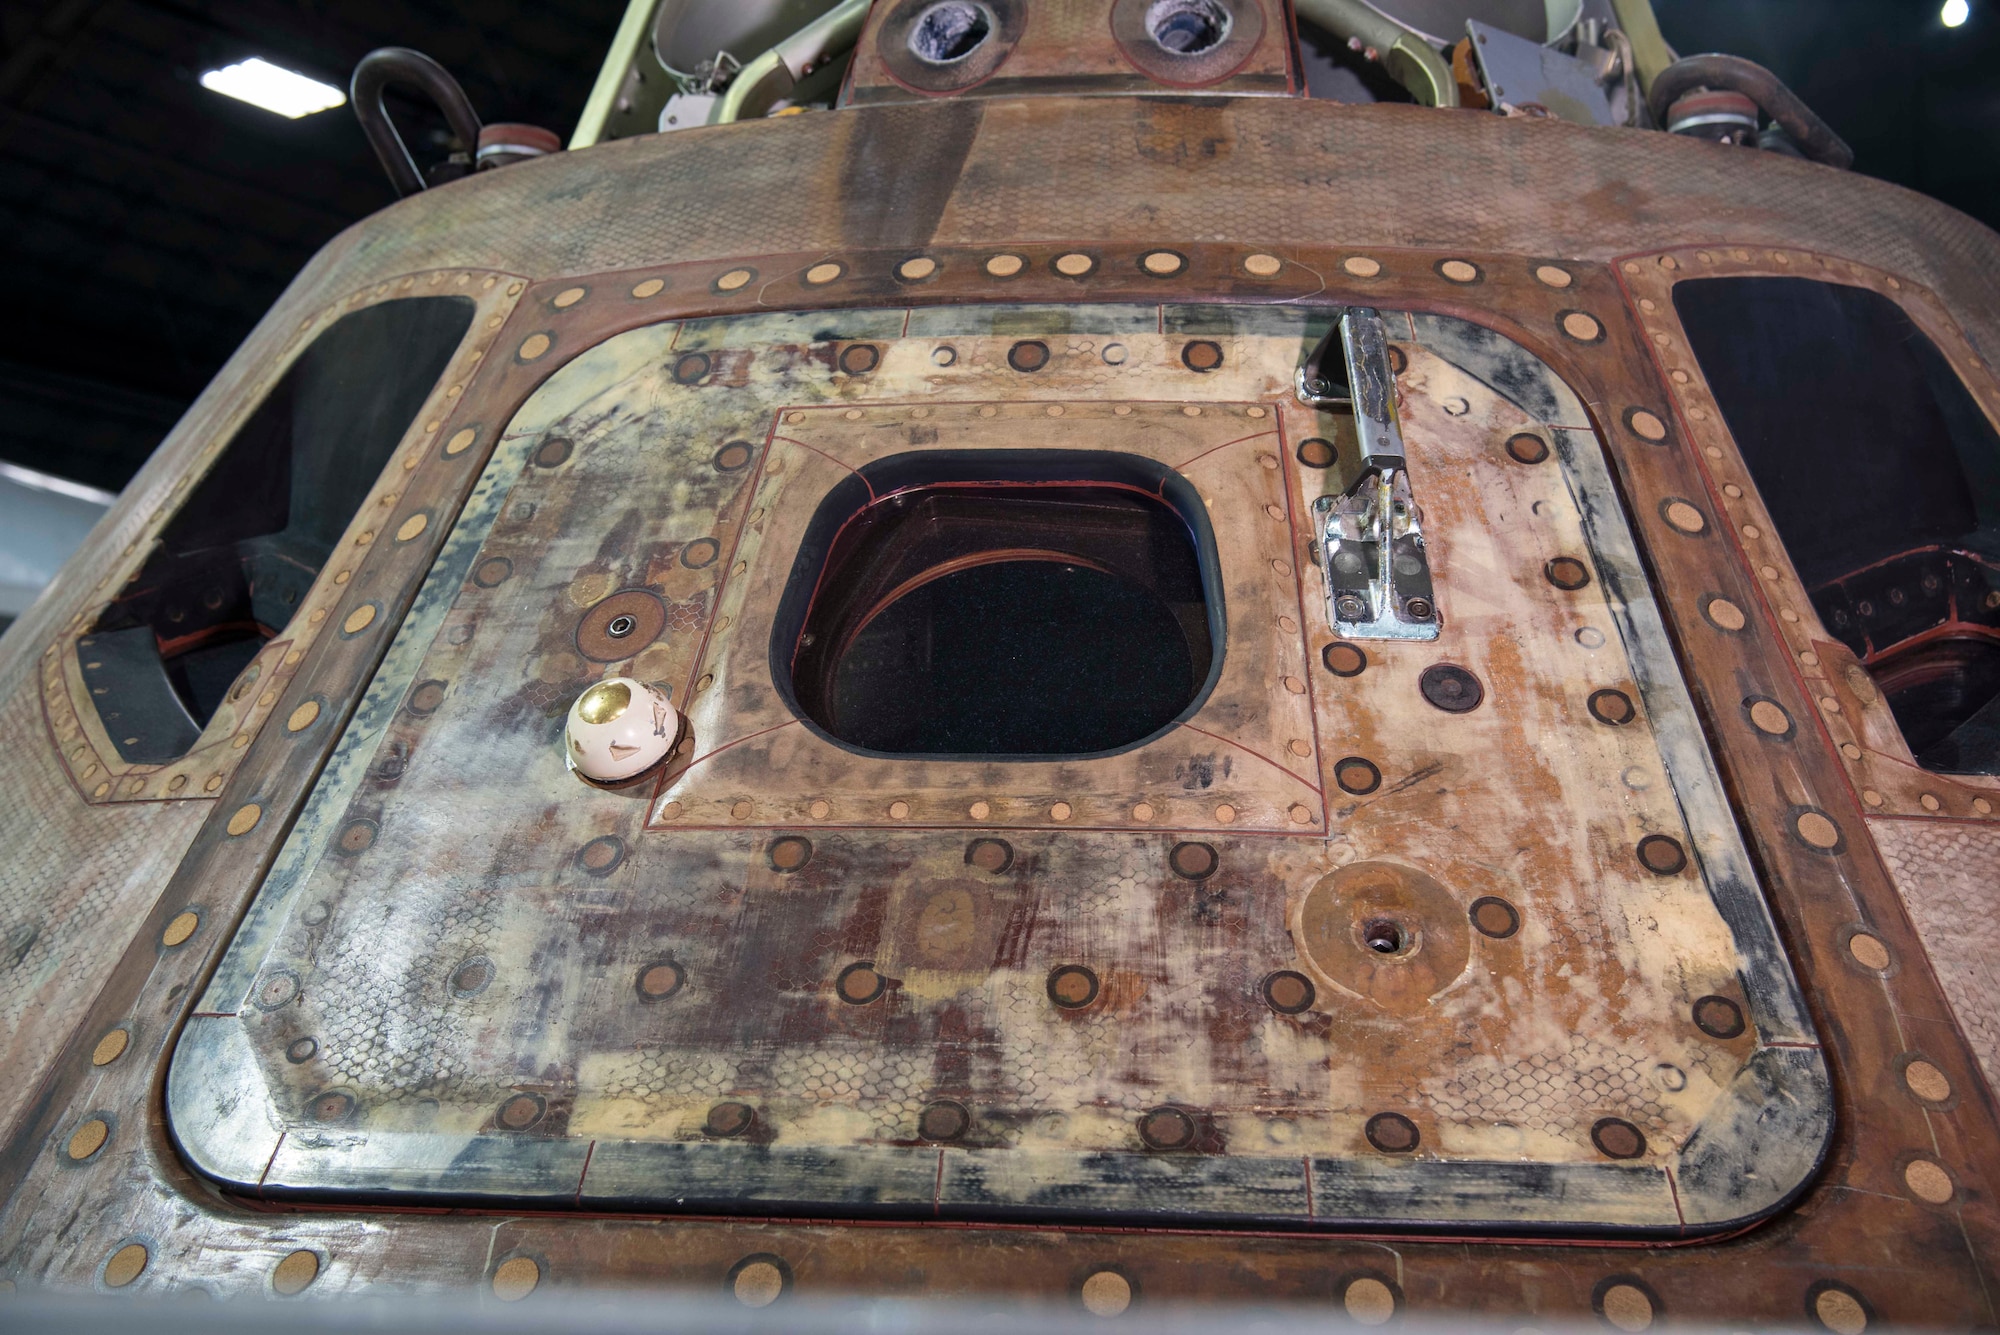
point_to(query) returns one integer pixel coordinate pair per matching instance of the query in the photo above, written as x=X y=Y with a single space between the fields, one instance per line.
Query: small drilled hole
x=1384 y=936
x=949 y=32
x=1187 y=27
x=620 y=627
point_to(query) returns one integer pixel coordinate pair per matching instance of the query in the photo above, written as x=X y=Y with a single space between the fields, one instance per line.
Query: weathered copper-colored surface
x=765 y=875
x=1313 y=185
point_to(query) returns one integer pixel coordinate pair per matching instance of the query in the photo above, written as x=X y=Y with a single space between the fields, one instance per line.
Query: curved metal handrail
x=398 y=64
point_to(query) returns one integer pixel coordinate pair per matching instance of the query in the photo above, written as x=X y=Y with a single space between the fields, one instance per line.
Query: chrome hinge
x=1378 y=575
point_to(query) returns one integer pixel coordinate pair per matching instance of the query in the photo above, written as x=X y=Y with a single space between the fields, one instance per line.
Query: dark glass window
x=1883 y=478
x=245 y=546
x=1008 y=604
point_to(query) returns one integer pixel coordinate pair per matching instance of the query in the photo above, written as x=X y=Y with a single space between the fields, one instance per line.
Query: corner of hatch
x=220 y=1114
x=1762 y=1143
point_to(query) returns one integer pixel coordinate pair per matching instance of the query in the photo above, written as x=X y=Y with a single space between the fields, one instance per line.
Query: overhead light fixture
x=275 y=88
x=1956 y=12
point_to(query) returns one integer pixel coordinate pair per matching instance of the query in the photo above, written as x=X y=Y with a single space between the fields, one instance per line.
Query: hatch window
x=1008 y=604
x=239 y=555
x=1882 y=476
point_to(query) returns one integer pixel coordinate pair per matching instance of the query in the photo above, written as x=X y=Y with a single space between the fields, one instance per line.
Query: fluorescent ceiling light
x=1956 y=12
x=61 y=486
x=272 y=87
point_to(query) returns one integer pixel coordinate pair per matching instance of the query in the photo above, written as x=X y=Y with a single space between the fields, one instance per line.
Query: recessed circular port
x=1385 y=936
x=950 y=31
x=1187 y=27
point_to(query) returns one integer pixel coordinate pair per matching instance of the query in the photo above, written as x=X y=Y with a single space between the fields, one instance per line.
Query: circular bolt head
x=620 y=728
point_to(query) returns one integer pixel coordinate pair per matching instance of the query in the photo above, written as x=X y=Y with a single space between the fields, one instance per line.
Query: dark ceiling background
x=146 y=223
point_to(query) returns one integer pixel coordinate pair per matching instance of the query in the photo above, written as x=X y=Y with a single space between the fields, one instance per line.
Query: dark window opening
x=239 y=555
x=1002 y=604
x=1883 y=478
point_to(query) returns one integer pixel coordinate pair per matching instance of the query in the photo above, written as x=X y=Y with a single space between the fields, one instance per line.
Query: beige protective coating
x=847 y=889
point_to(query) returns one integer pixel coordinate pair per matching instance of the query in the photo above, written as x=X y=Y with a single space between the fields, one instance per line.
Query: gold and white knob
x=619 y=729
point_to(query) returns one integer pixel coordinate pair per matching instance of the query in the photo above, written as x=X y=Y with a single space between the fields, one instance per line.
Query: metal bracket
x=1378 y=575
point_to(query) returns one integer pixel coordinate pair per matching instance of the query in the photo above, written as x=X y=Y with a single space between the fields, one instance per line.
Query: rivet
x=1162 y=263
x=88 y=1139
x=1770 y=717
x=650 y=288
x=1868 y=951
x=1817 y=830
x=1646 y=426
x=1551 y=276
x=296 y=1271
x=1627 y=1307
x=1075 y=264
x=740 y=809
x=821 y=274
x=1262 y=265
x=1929 y=802
x=1928 y=1182
x=1060 y=811
x=245 y=819
x=859 y=984
x=302 y=717
x=916 y=268
x=1752 y=532
x=1295 y=686
x=1299 y=747
x=1142 y=811
x=1927 y=1082
x=734 y=279
x=111 y=1047
x=1725 y=614
x=533 y=346
x=1361 y=266
x=1005 y=265
x=821 y=809
x=1684 y=517
x=1459 y=271
x=1662 y=855
x=1648 y=305
x=1106 y=1293
x=1225 y=813
x=1871 y=797
x=1369 y=1302
x=758 y=1283
x=1853 y=752
x=358 y=620
x=980 y=810
x=515 y=1278
x=1581 y=327
x=1072 y=986
x=1392 y=1133
x=126 y=1264
x=412 y=526
x=1982 y=806
x=1301 y=814
x=899 y=810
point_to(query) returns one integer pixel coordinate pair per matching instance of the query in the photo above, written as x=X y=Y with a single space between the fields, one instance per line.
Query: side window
x=233 y=562
x=1883 y=478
